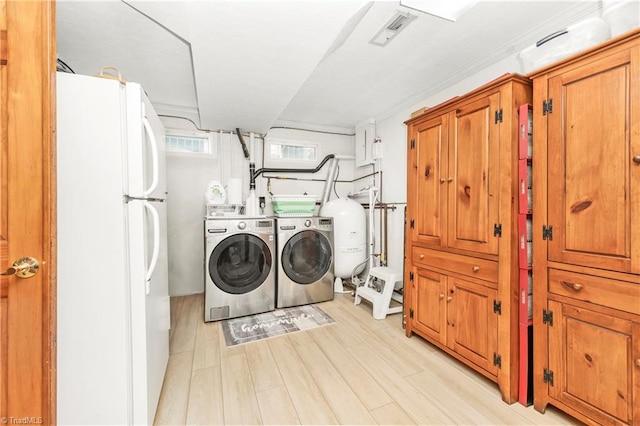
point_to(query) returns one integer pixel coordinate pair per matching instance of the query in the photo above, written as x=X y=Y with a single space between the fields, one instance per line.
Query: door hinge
x=547 y=317
x=547 y=376
x=412 y=224
x=497 y=307
x=547 y=233
x=497 y=360
x=497 y=230
x=410 y=276
x=410 y=313
x=413 y=143
x=498 y=116
x=547 y=107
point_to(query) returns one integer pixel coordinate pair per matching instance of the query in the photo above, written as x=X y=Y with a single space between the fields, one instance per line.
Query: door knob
x=636 y=159
x=25 y=267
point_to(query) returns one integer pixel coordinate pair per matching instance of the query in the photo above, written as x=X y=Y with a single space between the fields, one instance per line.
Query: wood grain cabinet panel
x=461 y=247
x=586 y=240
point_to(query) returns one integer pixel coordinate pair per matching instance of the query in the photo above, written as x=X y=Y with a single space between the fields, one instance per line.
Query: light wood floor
x=356 y=371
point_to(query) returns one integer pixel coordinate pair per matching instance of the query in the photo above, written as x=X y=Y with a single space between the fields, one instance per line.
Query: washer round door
x=306 y=257
x=240 y=263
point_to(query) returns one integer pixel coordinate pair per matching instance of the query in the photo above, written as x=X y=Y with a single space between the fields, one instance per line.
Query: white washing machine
x=305 y=260
x=239 y=267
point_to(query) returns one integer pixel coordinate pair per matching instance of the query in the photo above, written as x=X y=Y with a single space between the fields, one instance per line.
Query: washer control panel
x=227 y=226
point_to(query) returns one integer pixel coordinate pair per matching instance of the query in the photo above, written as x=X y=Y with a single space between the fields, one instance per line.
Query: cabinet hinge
x=497 y=230
x=410 y=313
x=410 y=276
x=413 y=143
x=497 y=360
x=547 y=107
x=547 y=233
x=412 y=224
x=498 y=116
x=547 y=317
x=497 y=307
x=547 y=376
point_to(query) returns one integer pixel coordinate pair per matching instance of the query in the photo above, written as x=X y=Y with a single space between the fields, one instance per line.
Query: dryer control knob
x=307 y=223
x=242 y=225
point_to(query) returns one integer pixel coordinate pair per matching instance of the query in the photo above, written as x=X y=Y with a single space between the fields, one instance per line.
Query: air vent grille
x=397 y=23
x=392 y=28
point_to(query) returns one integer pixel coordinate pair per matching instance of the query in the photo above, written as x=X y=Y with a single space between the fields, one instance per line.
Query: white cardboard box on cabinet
x=621 y=15
x=559 y=45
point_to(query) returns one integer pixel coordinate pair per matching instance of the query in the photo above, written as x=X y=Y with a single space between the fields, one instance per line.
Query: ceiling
x=306 y=63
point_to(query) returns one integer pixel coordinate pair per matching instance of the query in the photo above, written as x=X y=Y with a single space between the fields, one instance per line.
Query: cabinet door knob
x=638 y=362
x=421 y=256
x=450 y=179
x=441 y=296
x=442 y=180
x=476 y=268
x=575 y=286
x=636 y=159
x=449 y=299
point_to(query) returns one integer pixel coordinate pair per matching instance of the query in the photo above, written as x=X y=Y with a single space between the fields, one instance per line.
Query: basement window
x=281 y=150
x=188 y=143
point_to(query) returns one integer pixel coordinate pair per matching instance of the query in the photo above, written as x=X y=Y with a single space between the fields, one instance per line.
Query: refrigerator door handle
x=156 y=240
x=154 y=156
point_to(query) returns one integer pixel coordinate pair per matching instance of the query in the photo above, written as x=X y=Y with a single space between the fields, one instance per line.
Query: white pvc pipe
x=252 y=146
x=331 y=177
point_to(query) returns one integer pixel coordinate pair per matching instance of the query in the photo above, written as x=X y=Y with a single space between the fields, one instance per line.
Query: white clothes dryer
x=305 y=260
x=239 y=267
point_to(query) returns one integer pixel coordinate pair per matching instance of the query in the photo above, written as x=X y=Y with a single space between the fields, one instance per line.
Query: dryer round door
x=240 y=263
x=306 y=257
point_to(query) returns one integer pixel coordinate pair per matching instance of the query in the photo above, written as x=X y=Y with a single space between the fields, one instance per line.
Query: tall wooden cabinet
x=461 y=261
x=586 y=119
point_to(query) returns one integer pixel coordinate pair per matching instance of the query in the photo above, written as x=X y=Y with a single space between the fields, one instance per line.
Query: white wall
x=188 y=175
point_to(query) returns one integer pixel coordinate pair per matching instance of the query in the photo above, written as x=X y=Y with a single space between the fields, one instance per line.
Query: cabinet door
x=429 y=304
x=595 y=360
x=593 y=137
x=472 y=326
x=430 y=167
x=473 y=174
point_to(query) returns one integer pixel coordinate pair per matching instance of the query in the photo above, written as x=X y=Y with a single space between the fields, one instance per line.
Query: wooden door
x=430 y=177
x=430 y=305
x=27 y=218
x=472 y=324
x=474 y=140
x=595 y=362
x=593 y=181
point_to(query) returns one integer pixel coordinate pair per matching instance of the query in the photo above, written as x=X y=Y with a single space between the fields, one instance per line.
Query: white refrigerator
x=112 y=286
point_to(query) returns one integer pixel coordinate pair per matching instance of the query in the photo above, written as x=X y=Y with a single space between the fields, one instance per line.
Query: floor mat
x=275 y=323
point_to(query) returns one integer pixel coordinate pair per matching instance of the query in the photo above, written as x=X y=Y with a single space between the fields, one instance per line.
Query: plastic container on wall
x=559 y=45
x=349 y=235
x=621 y=15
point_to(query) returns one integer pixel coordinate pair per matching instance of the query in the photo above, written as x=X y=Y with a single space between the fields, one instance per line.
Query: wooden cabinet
x=458 y=313
x=461 y=246
x=586 y=118
x=454 y=153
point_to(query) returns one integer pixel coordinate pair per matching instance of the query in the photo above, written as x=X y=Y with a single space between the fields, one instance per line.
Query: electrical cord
x=255 y=135
x=336 y=181
x=312 y=131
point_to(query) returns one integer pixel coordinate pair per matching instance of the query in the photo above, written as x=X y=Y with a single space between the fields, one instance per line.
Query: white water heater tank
x=349 y=235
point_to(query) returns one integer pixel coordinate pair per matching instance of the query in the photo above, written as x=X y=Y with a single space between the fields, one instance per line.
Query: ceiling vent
x=392 y=28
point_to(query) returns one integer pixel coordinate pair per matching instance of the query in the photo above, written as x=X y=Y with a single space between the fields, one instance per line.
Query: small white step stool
x=382 y=299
